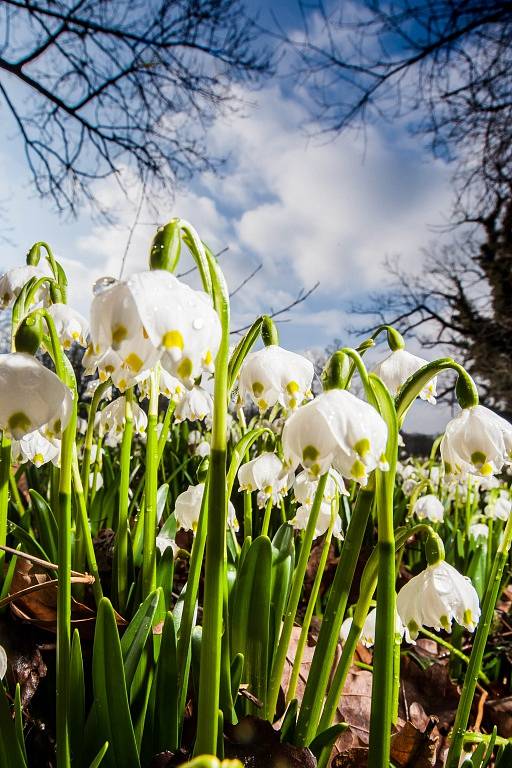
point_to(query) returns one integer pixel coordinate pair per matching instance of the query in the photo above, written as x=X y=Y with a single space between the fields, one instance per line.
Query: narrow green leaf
x=99 y=757
x=76 y=700
x=165 y=725
x=113 y=720
x=18 y=720
x=251 y=614
x=135 y=636
x=11 y=754
x=327 y=738
x=46 y=524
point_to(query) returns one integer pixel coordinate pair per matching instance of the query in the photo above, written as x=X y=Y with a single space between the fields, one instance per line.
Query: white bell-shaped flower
x=436 y=597
x=13 y=281
x=367 y=636
x=274 y=375
x=479 y=531
x=195 y=404
x=180 y=322
x=398 y=366
x=477 y=441
x=163 y=541
x=70 y=325
x=265 y=473
x=36 y=448
x=112 y=417
x=188 y=507
x=323 y=521
x=336 y=429
x=499 y=507
x=304 y=488
x=198 y=443
x=429 y=507
x=127 y=365
x=31 y=396
x=169 y=386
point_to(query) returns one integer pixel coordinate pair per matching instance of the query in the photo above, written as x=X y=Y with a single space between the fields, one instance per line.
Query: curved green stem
x=266 y=517
x=5 y=472
x=293 y=601
x=89 y=434
x=120 y=566
x=150 y=511
x=382 y=710
x=325 y=650
x=454 y=651
x=292 y=687
x=215 y=566
x=477 y=654
x=85 y=529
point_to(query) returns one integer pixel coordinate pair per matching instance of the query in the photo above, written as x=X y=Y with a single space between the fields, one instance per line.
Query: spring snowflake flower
x=478 y=530
x=112 y=418
x=336 y=429
x=435 y=597
x=429 y=507
x=163 y=541
x=195 y=404
x=36 y=448
x=198 y=444
x=266 y=473
x=169 y=386
x=188 y=508
x=477 y=441
x=274 y=375
x=70 y=325
x=397 y=367
x=304 y=488
x=499 y=507
x=154 y=314
x=367 y=637
x=31 y=396
x=303 y=512
x=13 y=281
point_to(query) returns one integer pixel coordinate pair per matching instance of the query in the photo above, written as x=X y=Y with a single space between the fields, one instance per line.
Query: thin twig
x=43 y=563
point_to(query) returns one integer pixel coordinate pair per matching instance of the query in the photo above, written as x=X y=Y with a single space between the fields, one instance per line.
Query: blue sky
x=307 y=208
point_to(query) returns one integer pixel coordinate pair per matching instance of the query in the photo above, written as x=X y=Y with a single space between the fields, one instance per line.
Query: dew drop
x=197 y=324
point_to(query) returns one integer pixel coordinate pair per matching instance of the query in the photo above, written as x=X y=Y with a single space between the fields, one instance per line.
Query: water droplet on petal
x=197 y=324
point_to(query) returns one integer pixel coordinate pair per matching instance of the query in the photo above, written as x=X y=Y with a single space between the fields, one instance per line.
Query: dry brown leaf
x=413 y=748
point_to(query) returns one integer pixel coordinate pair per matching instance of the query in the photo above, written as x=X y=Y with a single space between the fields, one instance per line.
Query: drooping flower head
x=274 y=375
x=304 y=487
x=188 y=507
x=301 y=519
x=429 y=507
x=70 y=325
x=152 y=316
x=31 y=396
x=336 y=429
x=436 y=597
x=266 y=474
x=398 y=366
x=367 y=637
x=113 y=418
x=13 y=281
x=477 y=442
x=195 y=404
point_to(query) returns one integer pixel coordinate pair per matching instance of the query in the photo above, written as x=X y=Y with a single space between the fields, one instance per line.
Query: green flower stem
x=189 y=606
x=490 y=543
x=325 y=650
x=120 y=569
x=95 y=472
x=5 y=472
x=266 y=517
x=292 y=687
x=367 y=589
x=89 y=435
x=138 y=533
x=64 y=591
x=86 y=530
x=215 y=565
x=293 y=601
x=455 y=651
x=477 y=654
x=381 y=716
x=151 y=488
x=16 y=496
x=397 y=647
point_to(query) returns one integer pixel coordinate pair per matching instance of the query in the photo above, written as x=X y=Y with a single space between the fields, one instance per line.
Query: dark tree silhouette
x=443 y=65
x=462 y=302
x=92 y=86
